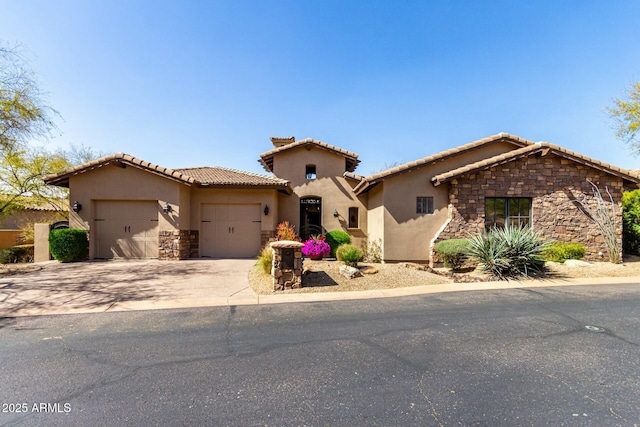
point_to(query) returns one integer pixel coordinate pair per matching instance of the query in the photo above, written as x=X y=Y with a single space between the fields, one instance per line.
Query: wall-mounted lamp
x=335 y=213
x=77 y=207
x=167 y=208
x=266 y=210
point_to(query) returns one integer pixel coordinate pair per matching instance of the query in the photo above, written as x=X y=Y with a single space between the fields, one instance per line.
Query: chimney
x=279 y=142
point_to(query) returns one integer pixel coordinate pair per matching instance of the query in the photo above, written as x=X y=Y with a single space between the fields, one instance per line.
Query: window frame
x=499 y=220
x=424 y=205
x=357 y=218
x=310 y=172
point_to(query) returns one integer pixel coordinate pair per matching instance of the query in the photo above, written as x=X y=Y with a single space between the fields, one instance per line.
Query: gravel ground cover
x=324 y=276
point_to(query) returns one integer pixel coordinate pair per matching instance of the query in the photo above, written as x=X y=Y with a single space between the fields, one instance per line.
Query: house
x=16 y=227
x=134 y=209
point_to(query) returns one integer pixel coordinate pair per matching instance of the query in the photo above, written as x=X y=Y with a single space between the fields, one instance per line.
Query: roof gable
x=61 y=179
x=369 y=181
x=266 y=159
x=200 y=177
x=540 y=148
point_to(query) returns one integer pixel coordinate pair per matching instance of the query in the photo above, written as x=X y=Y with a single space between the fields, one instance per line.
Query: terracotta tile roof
x=540 y=147
x=58 y=205
x=266 y=159
x=204 y=176
x=354 y=176
x=214 y=175
x=371 y=180
x=61 y=179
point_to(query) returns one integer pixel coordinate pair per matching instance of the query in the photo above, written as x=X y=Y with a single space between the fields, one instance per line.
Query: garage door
x=230 y=230
x=126 y=229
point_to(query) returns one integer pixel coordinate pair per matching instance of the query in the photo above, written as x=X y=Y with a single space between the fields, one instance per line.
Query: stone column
x=286 y=267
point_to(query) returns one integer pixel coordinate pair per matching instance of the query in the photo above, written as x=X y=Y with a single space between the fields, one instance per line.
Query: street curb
x=246 y=300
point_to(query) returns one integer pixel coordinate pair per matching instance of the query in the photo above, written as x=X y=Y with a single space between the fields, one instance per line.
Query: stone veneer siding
x=553 y=183
x=194 y=248
x=174 y=244
x=266 y=237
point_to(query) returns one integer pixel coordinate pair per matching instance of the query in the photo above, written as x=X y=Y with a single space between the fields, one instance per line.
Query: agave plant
x=508 y=252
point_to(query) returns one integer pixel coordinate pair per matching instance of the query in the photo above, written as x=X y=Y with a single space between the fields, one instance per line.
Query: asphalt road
x=546 y=357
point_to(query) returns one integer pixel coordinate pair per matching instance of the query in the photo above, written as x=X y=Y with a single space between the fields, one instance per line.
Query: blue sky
x=203 y=83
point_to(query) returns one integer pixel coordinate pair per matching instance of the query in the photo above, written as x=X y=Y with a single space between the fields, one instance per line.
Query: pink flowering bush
x=316 y=248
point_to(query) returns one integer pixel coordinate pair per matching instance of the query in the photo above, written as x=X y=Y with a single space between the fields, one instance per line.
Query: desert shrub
x=603 y=214
x=286 y=231
x=453 y=252
x=631 y=222
x=69 y=244
x=335 y=239
x=508 y=252
x=349 y=254
x=562 y=251
x=15 y=254
x=372 y=252
x=265 y=259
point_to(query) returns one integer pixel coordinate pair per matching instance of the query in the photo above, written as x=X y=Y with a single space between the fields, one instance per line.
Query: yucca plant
x=508 y=252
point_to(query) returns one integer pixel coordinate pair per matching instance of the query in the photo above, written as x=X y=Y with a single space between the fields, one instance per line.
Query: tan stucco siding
x=375 y=216
x=114 y=183
x=329 y=185
x=291 y=165
x=200 y=196
x=407 y=235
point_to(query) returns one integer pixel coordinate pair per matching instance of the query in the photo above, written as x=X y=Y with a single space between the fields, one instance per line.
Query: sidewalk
x=284 y=298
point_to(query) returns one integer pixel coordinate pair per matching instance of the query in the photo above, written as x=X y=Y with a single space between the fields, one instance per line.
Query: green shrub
x=562 y=251
x=69 y=244
x=631 y=222
x=265 y=259
x=349 y=254
x=15 y=254
x=508 y=252
x=453 y=252
x=336 y=238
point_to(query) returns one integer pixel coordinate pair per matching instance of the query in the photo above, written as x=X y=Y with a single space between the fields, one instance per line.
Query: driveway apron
x=98 y=286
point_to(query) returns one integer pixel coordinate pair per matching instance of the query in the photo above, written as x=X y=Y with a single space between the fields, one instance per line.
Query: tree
x=626 y=113
x=24 y=114
x=79 y=154
x=21 y=172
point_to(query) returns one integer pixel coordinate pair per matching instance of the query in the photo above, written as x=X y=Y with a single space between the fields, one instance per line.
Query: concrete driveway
x=98 y=286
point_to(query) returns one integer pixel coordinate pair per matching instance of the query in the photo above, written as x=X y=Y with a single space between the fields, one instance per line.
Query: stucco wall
x=200 y=196
x=336 y=191
x=115 y=183
x=408 y=235
x=553 y=183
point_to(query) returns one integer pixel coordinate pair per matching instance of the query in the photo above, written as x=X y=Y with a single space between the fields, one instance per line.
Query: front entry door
x=310 y=217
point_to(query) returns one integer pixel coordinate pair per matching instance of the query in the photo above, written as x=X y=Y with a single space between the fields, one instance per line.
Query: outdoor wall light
x=266 y=210
x=335 y=213
x=167 y=208
x=77 y=207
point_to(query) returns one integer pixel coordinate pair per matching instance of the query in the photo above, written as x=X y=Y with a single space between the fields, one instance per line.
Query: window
x=424 y=205
x=511 y=211
x=353 y=218
x=310 y=172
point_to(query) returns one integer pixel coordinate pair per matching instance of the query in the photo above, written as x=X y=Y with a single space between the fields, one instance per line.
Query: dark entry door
x=310 y=217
